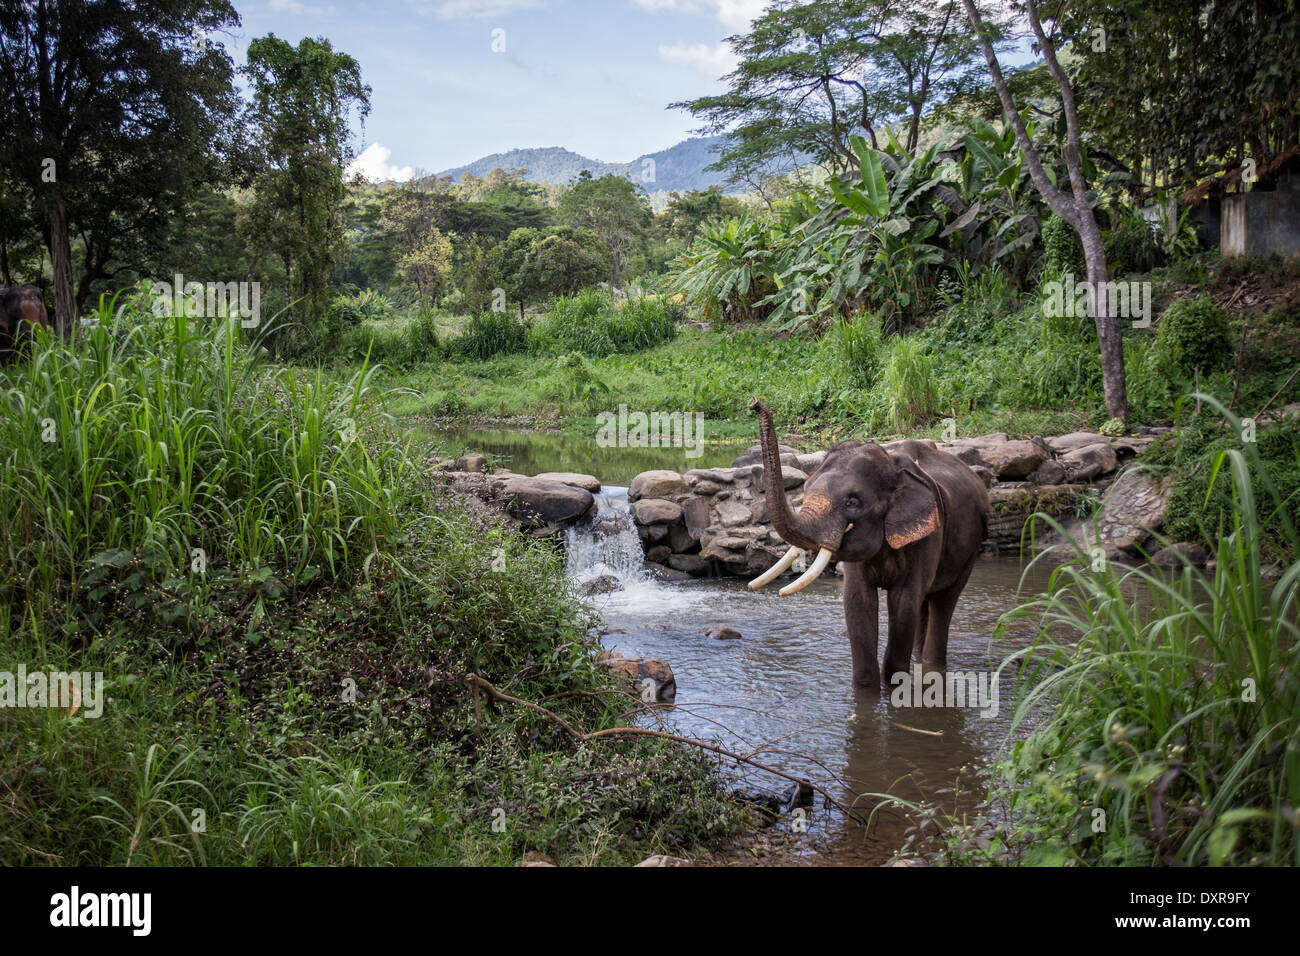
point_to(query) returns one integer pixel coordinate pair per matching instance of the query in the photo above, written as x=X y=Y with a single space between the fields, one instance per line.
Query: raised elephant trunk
x=796 y=529
x=793 y=528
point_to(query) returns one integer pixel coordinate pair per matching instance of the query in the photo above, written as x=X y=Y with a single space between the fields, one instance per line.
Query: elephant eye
x=852 y=501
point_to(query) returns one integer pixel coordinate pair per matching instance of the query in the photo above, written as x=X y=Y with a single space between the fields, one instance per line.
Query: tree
x=428 y=264
x=557 y=266
x=303 y=97
x=613 y=208
x=1074 y=206
x=812 y=75
x=107 y=112
x=1174 y=89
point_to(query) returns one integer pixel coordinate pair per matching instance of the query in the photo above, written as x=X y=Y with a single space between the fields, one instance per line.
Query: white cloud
x=714 y=62
x=733 y=14
x=477 y=9
x=292 y=6
x=373 y=165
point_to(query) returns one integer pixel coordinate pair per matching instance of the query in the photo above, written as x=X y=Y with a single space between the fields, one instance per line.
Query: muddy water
x=783 y=690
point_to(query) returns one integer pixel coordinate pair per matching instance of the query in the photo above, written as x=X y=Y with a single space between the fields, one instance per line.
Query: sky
x=454 y=80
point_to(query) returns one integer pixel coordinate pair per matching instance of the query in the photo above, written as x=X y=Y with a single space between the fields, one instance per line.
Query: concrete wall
x=1263 y=222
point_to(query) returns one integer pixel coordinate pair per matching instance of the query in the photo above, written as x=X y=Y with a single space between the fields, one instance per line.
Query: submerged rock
x=605 y=584
x=721 y=632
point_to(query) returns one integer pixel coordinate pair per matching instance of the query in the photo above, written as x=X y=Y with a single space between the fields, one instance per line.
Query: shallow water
x=536 y=452
x=785 y=686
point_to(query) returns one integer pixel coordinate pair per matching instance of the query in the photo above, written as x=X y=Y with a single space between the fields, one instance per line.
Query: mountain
x=678 y=169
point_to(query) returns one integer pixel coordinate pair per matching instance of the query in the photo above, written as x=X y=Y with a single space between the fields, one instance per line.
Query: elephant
x=905 y=517
x=22 y=308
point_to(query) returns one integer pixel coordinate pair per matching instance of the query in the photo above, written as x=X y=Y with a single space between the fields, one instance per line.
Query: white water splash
x=609 y=546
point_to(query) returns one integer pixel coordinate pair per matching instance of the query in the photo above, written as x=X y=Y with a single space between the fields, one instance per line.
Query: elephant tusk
x=809 y=576
x=776 y=570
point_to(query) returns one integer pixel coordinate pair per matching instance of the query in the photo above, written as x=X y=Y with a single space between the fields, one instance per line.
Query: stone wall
x=714 y=521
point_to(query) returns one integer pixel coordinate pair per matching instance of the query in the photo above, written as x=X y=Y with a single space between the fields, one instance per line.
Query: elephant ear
x=913 y=512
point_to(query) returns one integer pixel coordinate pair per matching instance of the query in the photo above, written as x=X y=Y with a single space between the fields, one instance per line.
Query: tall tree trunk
x=1072 y=206
x=65 y=302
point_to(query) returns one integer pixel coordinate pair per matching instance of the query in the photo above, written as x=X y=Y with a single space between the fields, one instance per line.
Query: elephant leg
x=862 y=615
x=921 y=630
x=941 y=605
x=905 y=603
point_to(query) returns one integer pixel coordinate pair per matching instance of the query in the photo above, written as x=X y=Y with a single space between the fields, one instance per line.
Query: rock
x=1050 y=472
x=984 y=475
x=754 y=455
x=536 y=503
x=790 y=477
x=691 y=564
x=1133 y=508
x=1063 y=443
x=662 y=684
x=1176 y=555
x=1085 y=462
x=666 y=573
x=656 y=511
x=586 y=482
x=1012 y=459
x=706 y=487
x=654 y=532
x=798 y=795
x=656 y=484
x=604 y=584
x=658 y=554
x=661 y=860
x=720 y=632
x=472 y=462
x=680 y=539
x=695 y=511
x=810 y=463
x=533 y=858
x=722 y=476
x=733 y=513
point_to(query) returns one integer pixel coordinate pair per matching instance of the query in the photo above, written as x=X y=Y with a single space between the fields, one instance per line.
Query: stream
x=785 y=685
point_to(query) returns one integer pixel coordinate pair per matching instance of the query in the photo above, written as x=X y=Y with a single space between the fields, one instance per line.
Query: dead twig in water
x=917 y=730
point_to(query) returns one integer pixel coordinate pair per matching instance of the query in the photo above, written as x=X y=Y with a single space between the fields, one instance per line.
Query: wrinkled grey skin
x=918 y=516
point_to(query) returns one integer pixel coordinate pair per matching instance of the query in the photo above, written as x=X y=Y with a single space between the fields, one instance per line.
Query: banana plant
x=867 y=245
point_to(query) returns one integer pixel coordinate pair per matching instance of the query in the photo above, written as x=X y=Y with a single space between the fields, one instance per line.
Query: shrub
x=1133 y=246
x=593 y=323
x=1192 y=335
x=1062 y=249
x=488 y=334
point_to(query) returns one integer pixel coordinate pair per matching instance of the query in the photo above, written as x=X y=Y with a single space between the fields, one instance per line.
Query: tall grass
x=1168 y=707
x=907 y=385
x=164 y=437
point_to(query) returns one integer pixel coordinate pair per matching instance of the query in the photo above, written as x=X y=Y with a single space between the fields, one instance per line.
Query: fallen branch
x=491 y=691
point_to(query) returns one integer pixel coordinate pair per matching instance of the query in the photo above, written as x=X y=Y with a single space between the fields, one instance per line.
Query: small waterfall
x=608 y=544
